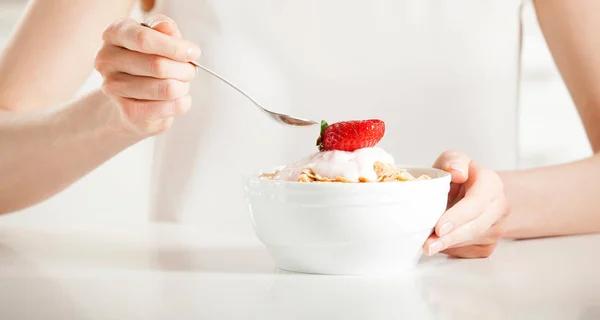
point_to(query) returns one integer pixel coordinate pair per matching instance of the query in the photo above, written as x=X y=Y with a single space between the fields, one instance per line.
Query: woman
x=442 y=76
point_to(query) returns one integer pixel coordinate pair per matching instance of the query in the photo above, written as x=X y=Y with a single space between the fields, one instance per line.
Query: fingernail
x=194 y=53
x=455 y=165
x=446 y=228
x=153 y=22
x=435 y=248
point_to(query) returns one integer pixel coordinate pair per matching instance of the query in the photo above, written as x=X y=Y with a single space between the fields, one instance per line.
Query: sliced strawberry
x=350 y=135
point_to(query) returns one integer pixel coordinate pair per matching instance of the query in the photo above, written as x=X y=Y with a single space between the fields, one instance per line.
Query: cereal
x=269 y=176
x=308 y=175
x=386 y=172
x=304 y=178
x=383 y=169
x=342 y=179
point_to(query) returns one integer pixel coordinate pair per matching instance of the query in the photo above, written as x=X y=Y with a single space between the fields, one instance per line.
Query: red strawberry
x=350 y=135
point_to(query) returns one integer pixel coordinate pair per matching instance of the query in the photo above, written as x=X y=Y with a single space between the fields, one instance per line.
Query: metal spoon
x=279 y=117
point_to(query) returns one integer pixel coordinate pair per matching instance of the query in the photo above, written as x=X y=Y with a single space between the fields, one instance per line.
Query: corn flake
x=386 y=172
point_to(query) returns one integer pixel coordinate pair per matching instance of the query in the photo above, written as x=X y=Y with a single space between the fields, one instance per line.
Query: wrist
x=136 y=129
x=97 y=117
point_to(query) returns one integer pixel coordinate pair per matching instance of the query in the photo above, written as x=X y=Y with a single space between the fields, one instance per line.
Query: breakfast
x=348 y=154
x=355 y=223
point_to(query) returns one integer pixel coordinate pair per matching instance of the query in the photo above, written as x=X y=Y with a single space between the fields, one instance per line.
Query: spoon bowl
x=279 y=117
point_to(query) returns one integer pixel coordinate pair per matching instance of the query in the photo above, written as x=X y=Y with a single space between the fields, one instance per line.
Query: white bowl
x=347 y=228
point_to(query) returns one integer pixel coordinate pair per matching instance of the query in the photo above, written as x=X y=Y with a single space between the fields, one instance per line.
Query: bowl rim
x=442 y=175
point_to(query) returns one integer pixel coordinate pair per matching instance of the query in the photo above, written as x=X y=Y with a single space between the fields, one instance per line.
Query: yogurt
x=335 y=163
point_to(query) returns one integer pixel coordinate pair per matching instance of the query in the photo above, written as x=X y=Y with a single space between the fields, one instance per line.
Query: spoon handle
x=199 y=66
x=281 y=118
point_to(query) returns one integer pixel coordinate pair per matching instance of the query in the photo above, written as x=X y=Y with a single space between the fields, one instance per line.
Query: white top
x=441 y=74
x=170 y=271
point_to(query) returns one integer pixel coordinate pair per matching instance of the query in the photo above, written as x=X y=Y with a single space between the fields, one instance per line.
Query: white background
x=550 y=132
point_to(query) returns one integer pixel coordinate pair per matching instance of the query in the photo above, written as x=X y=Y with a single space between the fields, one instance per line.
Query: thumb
x=163 y=24
x=457 y=163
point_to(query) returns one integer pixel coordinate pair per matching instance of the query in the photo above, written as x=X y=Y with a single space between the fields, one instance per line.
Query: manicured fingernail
x=455 y=165
x=446 y=228
x=435 y=248
x=150 y=22
x=193 y=53
x=155 y=21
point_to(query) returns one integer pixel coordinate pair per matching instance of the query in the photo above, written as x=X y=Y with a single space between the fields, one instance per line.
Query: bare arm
x=42 y=153
x=146 y=81
x=564 y=199
x=52 y=50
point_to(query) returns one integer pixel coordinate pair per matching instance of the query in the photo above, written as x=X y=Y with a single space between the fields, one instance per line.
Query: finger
x=163 y=24
x=455 y=162
x=457 y=192
x=494 y=234
x=472 y=249
x=113 y=59
x=468 y=231
x=480 y=190
x=472 y=252
x=144 y=110
x=144 y=88
x=467 y=209
x=131 y=35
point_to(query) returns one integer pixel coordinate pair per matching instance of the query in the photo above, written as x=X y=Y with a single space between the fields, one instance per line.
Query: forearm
x=554 y=201
x=43 y=152
x=563 y=199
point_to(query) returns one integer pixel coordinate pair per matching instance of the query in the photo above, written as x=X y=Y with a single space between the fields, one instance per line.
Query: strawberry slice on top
x=350 y=135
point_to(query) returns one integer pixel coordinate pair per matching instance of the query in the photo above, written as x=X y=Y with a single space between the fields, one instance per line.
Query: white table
x=169 y=271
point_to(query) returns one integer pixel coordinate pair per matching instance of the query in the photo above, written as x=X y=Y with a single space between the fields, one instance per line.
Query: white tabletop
x=169 y=271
